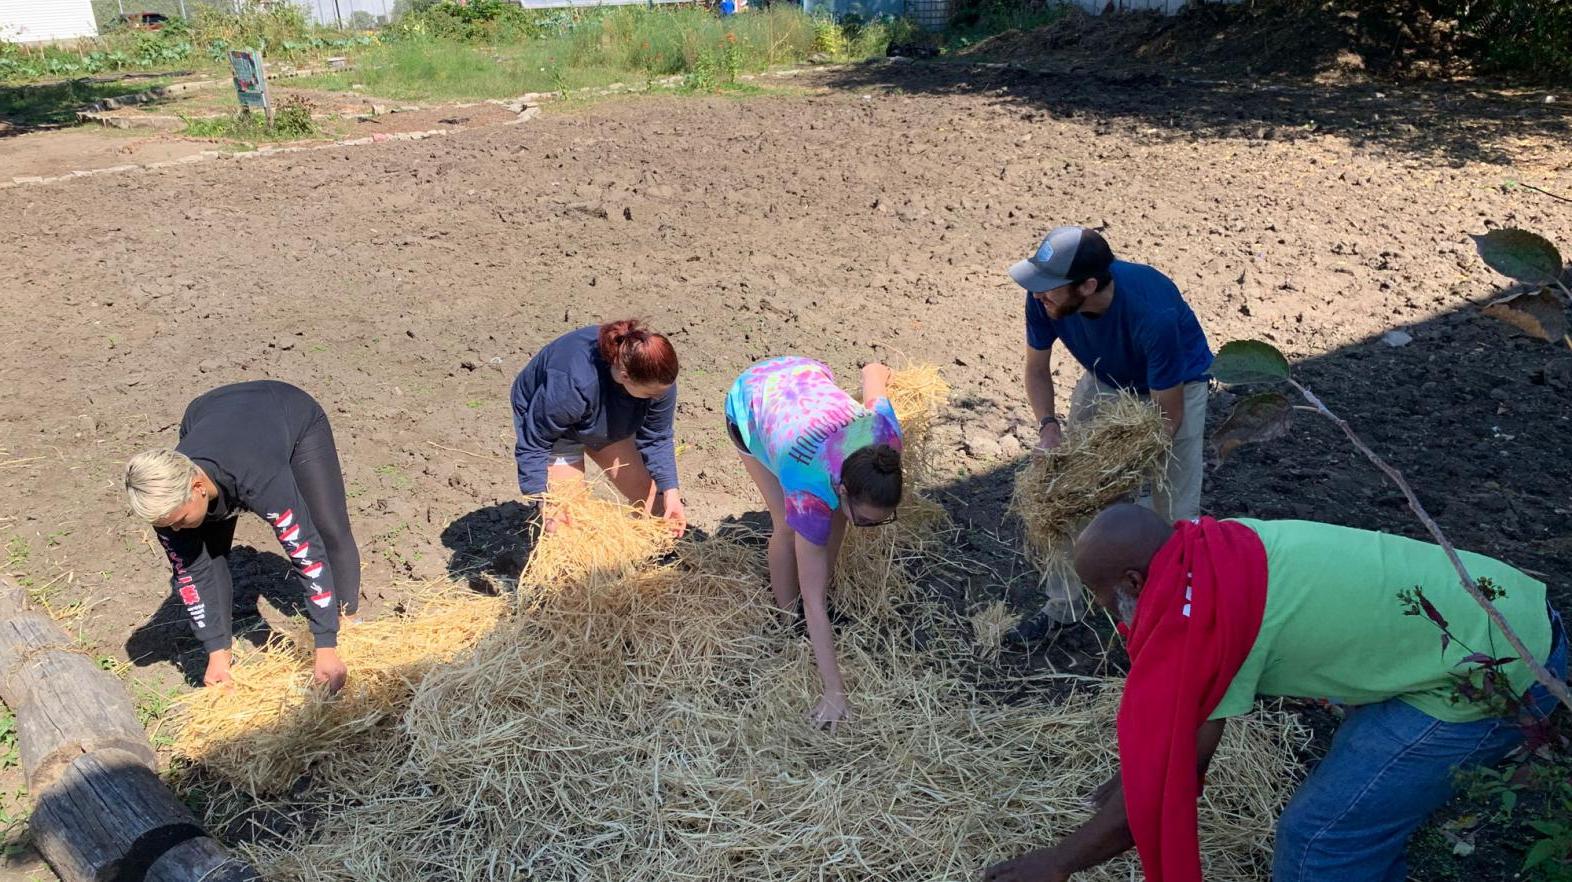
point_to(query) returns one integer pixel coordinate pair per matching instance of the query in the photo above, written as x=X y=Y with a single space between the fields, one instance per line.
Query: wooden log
x=100 y=814
x=108 y=818
x=65 y=705
x=200 y=859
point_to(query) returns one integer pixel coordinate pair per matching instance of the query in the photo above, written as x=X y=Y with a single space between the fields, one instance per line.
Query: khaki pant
x=1179 y=500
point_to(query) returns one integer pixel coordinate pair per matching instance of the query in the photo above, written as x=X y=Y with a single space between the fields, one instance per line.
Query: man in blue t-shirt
x=1131 y=330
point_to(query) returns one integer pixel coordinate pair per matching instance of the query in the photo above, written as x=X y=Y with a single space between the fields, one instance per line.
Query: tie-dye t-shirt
x=793 y=418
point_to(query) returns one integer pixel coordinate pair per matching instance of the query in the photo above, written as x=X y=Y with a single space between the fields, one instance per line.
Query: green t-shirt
x=1335 y=629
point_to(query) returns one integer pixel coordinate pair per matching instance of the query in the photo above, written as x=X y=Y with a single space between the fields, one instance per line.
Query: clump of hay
x=1102 y=461
x=266 y=729
x=603 y=540
x=989 y=625
x=878 y=564
x=646 y=720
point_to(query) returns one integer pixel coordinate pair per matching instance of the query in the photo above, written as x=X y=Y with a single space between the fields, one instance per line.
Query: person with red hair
x=607 y=392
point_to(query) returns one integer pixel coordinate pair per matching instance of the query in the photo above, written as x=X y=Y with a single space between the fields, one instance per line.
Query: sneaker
x=1054 y=615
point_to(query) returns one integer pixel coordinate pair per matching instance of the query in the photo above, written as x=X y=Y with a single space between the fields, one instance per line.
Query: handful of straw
x=1102 y=461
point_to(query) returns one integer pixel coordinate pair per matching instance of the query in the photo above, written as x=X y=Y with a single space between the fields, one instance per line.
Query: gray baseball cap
x=1068 y=254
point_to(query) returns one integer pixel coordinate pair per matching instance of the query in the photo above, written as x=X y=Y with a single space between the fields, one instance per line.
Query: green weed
x=17 y=553
x=292 y=121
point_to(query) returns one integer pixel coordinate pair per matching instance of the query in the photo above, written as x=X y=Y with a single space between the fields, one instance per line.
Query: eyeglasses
x=857 y=521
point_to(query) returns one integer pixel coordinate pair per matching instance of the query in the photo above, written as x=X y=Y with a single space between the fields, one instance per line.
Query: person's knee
x=1290 y=853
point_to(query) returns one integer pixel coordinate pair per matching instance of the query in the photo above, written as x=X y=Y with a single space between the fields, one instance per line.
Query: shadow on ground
x=166 y=635
x=46 y=105
x=1456 y=121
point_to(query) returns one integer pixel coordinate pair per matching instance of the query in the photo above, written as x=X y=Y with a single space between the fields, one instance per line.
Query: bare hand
x=556 y=518
x=330 y=670
x=1049 y=436
x=672 y=510
x=874 y=373
x=829 y=713
x=1036 y=866
x=1105 y=791
x=217 y=673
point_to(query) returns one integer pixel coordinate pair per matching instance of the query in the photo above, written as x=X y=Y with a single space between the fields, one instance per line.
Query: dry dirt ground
x=859 y=214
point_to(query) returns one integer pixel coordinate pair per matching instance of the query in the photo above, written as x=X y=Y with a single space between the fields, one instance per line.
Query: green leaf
x=1249 y=361
x=1521 y=255
x=1508 y=800
x=1543 y=850
x=1254 y=419
x=1535 y=313
x=1549 y=828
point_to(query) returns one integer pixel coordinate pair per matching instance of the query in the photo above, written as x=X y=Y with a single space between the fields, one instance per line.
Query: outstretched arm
x=1171 y=401
x=1039 y=395
x=1106 y=836
x=875 y=382
x=813 y=575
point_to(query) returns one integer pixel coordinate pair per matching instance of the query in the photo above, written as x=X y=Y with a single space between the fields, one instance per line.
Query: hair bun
x=886 y=459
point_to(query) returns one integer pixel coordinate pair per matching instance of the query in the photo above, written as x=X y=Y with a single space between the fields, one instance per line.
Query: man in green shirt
x=1333 y=627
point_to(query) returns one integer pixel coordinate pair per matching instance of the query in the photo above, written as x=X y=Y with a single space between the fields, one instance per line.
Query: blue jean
x=1390 y=766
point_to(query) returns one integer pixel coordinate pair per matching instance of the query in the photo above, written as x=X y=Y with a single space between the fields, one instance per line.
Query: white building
x=46 y=21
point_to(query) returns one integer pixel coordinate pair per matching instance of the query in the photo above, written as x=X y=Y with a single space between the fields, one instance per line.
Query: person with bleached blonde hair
x=264 y=447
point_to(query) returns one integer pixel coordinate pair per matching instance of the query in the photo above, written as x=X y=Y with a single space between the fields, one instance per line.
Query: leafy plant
x=293 y=119
x=1532 y=260
x=1542 y=788
x=9 y=755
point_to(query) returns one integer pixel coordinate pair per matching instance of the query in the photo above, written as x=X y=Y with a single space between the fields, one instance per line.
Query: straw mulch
x=1103 y=460
x=643 y=717
x=272 y=724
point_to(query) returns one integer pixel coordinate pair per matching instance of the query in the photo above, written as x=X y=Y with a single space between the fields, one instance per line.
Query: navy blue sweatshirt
x=566 y=393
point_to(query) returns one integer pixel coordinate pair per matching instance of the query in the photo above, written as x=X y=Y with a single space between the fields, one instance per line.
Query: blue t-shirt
x=1148 y=339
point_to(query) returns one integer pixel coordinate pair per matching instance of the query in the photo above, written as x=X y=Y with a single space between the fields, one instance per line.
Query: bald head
x=1120 y=541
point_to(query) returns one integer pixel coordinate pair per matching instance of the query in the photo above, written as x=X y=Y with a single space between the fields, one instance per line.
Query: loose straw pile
x=644 y=719
x=989 y=625
x=1102 y=461
x=263 y=732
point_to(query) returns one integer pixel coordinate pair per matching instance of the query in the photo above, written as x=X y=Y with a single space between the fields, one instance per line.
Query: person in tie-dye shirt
x=822 y=460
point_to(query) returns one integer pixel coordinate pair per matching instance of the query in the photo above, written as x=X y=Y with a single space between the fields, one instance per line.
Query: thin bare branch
x=1545 y=678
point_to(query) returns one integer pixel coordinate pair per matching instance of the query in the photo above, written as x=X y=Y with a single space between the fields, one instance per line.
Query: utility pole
x=337 y=15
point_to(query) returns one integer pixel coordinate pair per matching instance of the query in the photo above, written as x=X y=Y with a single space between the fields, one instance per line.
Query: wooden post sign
x=251 y=81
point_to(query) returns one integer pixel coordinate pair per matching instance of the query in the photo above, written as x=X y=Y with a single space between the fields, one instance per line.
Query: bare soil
x=866 y=214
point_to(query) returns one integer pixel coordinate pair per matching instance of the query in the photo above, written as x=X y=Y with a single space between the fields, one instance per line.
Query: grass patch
x=57 y=103
x=291 y=122
x=625 y=44
x=281 y=31
x=438 y=69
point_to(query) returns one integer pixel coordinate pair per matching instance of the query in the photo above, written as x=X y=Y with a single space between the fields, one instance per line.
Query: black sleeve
x=202 y=584
x=279 y=502
x=655 y=440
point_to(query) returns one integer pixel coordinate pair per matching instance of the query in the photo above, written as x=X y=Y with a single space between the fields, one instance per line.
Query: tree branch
x=1545 y=678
